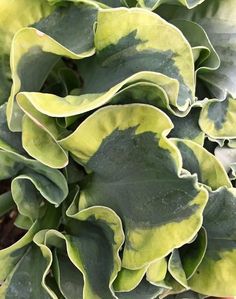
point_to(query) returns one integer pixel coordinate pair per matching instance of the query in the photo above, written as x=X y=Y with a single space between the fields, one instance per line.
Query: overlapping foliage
x=118 y=140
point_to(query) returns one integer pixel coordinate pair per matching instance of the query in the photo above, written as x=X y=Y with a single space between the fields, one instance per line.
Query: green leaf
x=23 y=222
x=197 y=160
x=41 y=144
x=11 y=256
x=127 y=280
x=39 y=137
x=5 y=77
x=173 y=287
x=187 y=295
x=217 y=18
x=176 y=270
x=157 y=271
x=74 y=173
x=48 y=284
x=204 y=53
x=193 y=253
x=216 y=118
x=110 y=224
x=156 y=92
x=25 y=281
x=160 y=91
x=94 y=240
x=15 y=15
x=215 y=275
x=144 y=290
x=187 y=127
x=32 y=183
x=134 y=40
x=126 y=154
x=131 y=49
x=8 y=140
x=69 y=279
x=184 y=262
x=55 y=36
x=6 y=203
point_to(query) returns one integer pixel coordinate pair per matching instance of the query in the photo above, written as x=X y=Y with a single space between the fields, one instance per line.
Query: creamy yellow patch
x=216 y=277
x=157 y=271
x=147 y=245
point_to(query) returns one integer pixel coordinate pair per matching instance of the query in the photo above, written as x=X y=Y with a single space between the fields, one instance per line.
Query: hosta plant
x=117 y=149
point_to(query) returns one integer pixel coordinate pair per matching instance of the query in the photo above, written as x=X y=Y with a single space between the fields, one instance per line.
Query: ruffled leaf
x=215 y=275
x=134 y=136
x=55 y=36
x=92 y=245
x=32 y=183
x=131 y=49
x=217 y=18
x=14 y=16
x=197 y=160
